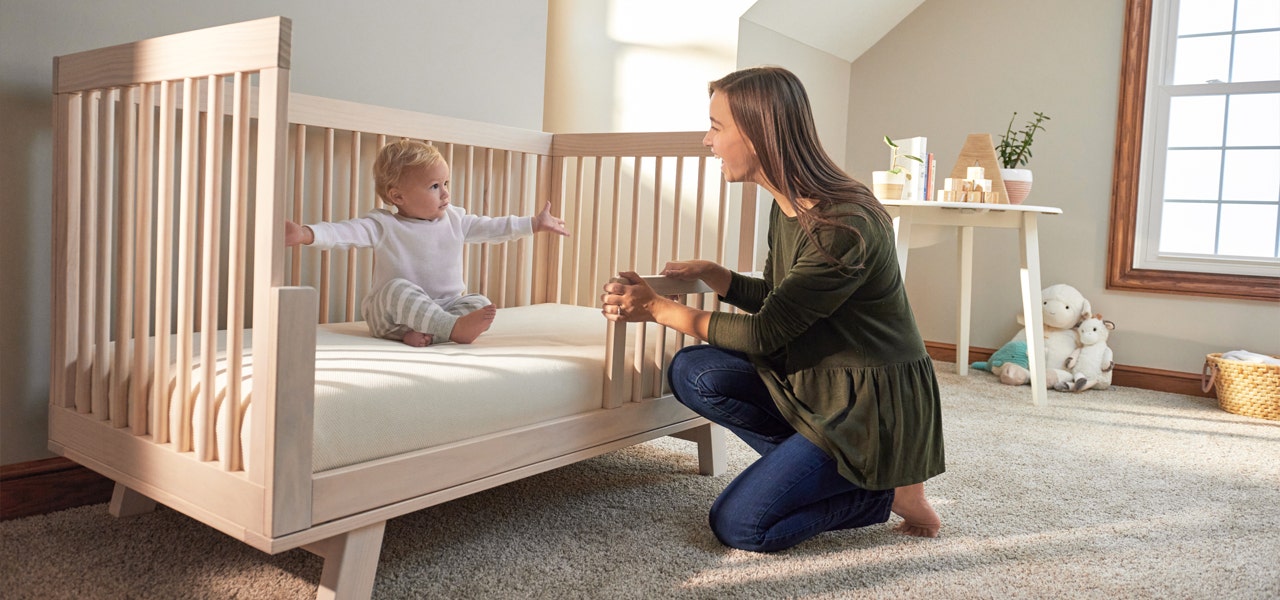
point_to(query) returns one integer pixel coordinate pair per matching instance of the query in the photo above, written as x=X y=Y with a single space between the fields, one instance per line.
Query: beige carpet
x=1105 y=494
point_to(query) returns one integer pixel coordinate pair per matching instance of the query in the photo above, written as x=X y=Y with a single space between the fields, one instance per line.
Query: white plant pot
x=888 y=186
x=1018 y=183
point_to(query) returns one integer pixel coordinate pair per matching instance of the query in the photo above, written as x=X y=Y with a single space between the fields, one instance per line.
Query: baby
x=418 y=295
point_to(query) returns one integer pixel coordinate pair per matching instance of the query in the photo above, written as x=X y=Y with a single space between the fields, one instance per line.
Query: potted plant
x=1015 y=150
x=888 y=185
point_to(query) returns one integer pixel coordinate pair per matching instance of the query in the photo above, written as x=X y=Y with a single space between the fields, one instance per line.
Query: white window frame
x=1160 y=92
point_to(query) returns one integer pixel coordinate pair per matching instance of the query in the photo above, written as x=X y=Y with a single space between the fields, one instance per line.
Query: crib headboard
x=199 y=134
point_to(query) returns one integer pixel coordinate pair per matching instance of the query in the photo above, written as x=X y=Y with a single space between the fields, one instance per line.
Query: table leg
x=1032 y=313
x=964 y=307
x=902 y=225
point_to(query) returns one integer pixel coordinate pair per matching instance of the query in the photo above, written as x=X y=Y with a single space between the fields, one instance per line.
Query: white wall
x=954 y=68
x=474 y=60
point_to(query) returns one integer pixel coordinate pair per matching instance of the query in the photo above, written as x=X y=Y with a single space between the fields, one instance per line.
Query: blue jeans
x=793 y=492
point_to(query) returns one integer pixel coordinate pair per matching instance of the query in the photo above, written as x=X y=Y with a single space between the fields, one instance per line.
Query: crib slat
x=498 y=252
x=164 y=266
x=189 y=204
x=721 y=228
x=576 y=241
x=237 y=252
x=486 y=208
x=522 y=281
x=699 y=213
x=64 y=366
x=124 y=259
x=299 y=186
x=594 y=248
x=326 y=215
x=88 y=249
x=654 y=367
x=349 y=312
x=615 y=218
x=102 y=275
x=268 y=261
x=210 y=291
x=637 y=359
x=138 y=388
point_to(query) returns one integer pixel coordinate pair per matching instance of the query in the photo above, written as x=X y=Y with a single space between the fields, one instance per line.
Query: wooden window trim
x=1121 y=274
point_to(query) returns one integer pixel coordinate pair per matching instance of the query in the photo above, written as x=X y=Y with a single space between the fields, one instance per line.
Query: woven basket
x=1244 y=388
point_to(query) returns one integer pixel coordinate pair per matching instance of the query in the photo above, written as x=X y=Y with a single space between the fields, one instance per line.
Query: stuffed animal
x=1012 y=354
x=1063 y=307
x=1091 y=362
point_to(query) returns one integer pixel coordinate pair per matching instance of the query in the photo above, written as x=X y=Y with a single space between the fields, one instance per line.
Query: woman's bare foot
x=918 y=516
x=417 y=339
x=469 y=326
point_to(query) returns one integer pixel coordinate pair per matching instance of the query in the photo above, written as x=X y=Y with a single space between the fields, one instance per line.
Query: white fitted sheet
x=376 y=398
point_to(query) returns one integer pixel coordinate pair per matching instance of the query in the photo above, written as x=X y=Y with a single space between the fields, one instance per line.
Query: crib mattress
x=377 y=398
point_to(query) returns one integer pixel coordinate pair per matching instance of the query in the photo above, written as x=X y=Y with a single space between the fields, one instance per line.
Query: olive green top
x=840 y=352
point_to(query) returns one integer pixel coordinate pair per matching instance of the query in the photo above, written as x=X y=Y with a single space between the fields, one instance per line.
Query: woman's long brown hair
x=771 y=107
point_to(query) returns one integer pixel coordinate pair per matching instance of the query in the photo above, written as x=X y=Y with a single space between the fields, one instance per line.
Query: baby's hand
x=295 y=234
x=543 y=221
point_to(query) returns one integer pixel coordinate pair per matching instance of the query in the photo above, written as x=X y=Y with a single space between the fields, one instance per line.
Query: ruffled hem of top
x=882 y=424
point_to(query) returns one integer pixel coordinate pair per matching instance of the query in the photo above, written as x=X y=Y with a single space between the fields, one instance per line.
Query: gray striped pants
x=400 y=306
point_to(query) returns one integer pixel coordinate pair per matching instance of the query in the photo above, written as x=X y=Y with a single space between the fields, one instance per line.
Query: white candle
x=975 y=173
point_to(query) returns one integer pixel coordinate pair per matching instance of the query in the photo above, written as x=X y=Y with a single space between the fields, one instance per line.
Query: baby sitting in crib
x=418 y=295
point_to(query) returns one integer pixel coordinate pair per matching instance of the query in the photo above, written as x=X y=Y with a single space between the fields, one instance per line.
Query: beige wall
x=954 y=68
x=474 y=60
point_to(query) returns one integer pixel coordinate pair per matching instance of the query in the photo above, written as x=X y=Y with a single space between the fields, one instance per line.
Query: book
x=930 y=176
x=917 y=178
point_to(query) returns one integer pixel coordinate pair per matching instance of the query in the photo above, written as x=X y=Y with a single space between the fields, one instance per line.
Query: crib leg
x=126 y=502
x=711 y=450
x=350 y=563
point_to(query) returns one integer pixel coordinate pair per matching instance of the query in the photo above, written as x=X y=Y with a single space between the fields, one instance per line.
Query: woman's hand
x=710 y=273
x=628 y=299
x=543 y=221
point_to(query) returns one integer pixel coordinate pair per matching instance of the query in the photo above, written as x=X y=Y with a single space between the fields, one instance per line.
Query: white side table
x=964 y=217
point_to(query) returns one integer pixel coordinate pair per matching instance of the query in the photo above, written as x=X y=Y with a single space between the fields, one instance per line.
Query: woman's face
x=738 y=160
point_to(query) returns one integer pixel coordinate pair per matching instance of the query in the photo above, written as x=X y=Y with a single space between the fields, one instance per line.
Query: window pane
x=1196 y=120
x=1257 y=57
x=1257 y=14
x=1248 y=230
x=1254 y=120
x=1203 y=16
x=1202 y=59
x=1251 y=176
x=1192 y=174
x=1188 y=228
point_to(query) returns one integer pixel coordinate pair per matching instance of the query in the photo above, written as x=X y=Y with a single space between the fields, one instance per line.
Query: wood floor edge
x=47 y=485
x=52 y=484
x=1158 y=380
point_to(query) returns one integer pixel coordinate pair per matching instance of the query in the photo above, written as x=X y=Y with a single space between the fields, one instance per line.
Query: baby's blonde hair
x=397 y=157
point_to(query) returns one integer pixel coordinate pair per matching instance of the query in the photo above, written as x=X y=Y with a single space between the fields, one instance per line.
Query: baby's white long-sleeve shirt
x=427 y=253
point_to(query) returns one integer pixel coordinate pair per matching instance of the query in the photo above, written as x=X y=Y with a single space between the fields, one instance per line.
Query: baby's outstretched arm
x=543 y=221
x=295 y=234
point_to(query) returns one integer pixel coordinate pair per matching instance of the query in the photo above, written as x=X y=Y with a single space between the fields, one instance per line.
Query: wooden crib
x=178 y=160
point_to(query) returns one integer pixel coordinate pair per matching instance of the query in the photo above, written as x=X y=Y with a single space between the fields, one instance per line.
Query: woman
x=825 y=375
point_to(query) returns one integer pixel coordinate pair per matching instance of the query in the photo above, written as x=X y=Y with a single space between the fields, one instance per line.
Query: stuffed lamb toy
x=1063 y=307
x=1091 y=361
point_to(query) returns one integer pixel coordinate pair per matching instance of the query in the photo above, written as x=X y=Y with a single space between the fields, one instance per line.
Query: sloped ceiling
x=842 y=28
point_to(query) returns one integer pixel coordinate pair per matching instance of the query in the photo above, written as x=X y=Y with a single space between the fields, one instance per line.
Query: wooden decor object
x=980 y=151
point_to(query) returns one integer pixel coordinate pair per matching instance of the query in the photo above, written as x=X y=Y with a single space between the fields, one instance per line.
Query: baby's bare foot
x=469 y=326
x=418 y=339
x=918 y=516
